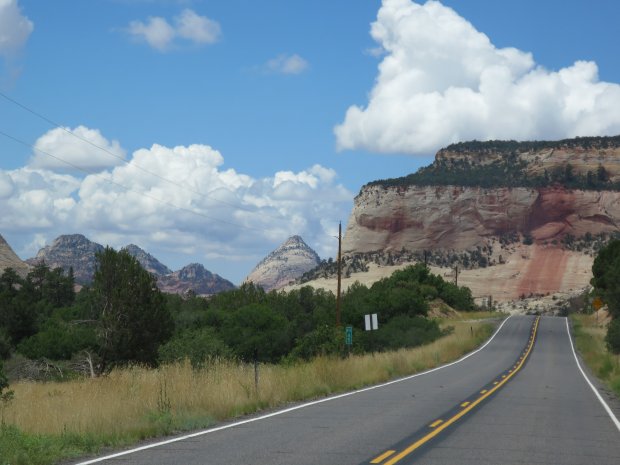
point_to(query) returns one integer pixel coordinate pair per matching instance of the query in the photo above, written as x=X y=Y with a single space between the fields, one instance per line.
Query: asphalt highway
x=520 y=400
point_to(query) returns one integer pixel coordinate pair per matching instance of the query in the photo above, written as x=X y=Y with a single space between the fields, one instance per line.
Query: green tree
x=133 y=317
x=613 y=336
x=406 y=331
x=606 y=276
x=58 y=340
x=256 y=330
x=324 y=340
x=606 y=281
x=18 y=315
x=6 y=395
x=197 y=345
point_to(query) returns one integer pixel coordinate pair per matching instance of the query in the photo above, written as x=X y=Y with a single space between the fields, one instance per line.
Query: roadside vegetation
x=590 y=342
x=599 y=341
x=46 y=422
x=119 y=361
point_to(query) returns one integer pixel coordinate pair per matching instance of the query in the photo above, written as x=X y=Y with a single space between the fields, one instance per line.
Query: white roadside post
x=371 y=323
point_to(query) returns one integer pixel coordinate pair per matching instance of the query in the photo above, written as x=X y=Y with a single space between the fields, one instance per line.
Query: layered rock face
x=476 y=193
x=8 y=259
x=148 y=262
x=285 y=264
x=195 y=278
x=453 y=217
x=71 y=251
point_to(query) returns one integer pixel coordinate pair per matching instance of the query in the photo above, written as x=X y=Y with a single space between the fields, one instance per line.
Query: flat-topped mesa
x=559 y=200
x=583 y=154
x=475 y=191
x=459 y=218
x=589 y=163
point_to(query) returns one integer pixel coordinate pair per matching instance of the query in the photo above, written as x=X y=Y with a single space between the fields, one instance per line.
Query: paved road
x=543 y=412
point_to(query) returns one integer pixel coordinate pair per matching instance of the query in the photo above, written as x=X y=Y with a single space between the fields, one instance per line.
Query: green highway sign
x=349 y=335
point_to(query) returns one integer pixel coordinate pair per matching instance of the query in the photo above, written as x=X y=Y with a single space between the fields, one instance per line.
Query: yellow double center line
x=439 y=425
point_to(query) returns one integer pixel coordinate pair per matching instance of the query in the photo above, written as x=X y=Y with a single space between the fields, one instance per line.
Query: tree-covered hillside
x=508 y=170
x=606 y=282
x=47 y=330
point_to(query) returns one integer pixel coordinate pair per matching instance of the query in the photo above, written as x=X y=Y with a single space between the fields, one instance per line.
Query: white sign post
x=371 y=322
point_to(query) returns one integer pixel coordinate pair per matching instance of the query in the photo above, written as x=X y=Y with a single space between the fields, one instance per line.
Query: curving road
x=519 y=400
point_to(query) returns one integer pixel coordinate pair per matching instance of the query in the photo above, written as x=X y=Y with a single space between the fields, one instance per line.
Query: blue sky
x=292 y=107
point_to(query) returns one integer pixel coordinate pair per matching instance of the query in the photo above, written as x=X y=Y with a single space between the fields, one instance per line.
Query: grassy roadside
x=589 y=339
x=48 y=422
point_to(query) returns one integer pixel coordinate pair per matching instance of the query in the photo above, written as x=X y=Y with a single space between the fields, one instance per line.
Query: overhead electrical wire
x=131 y=163
x=128 y=189
x=128 y=163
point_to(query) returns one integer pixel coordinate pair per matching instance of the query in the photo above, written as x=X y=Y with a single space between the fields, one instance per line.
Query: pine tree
x=134 y=319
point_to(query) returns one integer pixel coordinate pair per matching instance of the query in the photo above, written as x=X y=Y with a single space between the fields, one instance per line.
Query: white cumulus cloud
x=15 y=28
x=442 y=81
x=161 y=34
x=81 y=148
x=287 y=64
x=176 y=201
x=155 y=31
x=198 y=29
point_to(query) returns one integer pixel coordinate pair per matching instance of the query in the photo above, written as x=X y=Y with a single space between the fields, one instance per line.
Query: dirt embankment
x=528 y=270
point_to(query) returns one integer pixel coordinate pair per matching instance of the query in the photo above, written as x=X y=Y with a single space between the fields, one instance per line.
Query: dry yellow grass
x=136 y=403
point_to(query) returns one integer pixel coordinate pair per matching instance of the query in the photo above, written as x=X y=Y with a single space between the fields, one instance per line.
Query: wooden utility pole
x=339 y=274
x=456 y=275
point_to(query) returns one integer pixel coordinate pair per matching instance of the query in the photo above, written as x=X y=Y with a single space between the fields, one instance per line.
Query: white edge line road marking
x=598 y=395
x=297 y=407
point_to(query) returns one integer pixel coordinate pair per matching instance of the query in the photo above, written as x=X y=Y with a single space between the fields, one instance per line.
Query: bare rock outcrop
x=285 y=264
x=77 y=252
x=475 y=194
x=71 y=251
x=194 y=278
x=455 y=217
x=9 y=259
x=147 y=261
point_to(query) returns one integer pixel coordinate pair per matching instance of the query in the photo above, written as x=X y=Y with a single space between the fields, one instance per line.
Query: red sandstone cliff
x=413 y=213
x=452 y=217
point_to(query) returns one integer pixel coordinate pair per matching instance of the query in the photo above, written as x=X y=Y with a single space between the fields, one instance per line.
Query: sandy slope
x=528 y=270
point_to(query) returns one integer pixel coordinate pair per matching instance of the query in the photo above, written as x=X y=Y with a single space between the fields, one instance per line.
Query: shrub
x=613 y=336
x=197 y=345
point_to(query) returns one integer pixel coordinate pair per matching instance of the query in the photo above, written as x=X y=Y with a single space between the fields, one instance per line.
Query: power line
x=128 y=189
x=128 y=163
x=144 y=170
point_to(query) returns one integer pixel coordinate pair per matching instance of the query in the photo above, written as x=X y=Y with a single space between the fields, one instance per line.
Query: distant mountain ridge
x=195 y=278
x=285 y=264
x=148 y=262
x=78 y=252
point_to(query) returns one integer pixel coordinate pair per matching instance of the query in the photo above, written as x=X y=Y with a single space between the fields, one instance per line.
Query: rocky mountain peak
x=148 y=262
x=285 y=264
x=196 y=278
x=71 y=251
x=194 y=271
